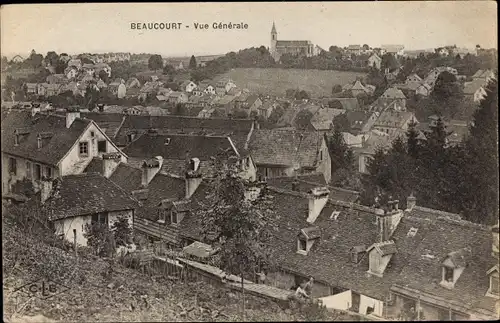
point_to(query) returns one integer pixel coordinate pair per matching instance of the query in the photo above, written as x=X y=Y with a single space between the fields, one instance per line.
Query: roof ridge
x=285 y=191
x=464 y=223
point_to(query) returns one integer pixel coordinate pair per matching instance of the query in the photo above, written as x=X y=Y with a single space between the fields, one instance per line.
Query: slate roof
x=349 y=104
x=53 y=149
x=393 y=93
x=86 y=194
x=285 y=147
x=201 y=147
x=178 y=123
x=127 y=177
x=358 y=118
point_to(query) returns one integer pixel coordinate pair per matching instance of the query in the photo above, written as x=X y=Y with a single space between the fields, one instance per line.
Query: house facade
x=49 y=146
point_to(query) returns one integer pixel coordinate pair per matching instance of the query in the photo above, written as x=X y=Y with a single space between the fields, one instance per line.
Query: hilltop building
x=296 y=47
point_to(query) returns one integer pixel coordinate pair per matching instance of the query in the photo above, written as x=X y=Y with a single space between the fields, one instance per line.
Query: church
x=295 y=47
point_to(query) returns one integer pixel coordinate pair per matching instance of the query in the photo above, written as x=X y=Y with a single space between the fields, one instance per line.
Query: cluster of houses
x=394 y=261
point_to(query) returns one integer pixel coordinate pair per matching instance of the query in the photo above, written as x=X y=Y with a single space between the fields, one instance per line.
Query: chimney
x=193 y=177
x=45 y=190
x=317 y=200
x=150 y=168
x=388 y=220
x=71 y=114
x=411 y=202
x=109 y=163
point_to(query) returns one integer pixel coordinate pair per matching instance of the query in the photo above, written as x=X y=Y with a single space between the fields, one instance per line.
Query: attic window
x=92 y=134
x=334 y=215
x=167 y=141
x=174 y=219
x=39 y=142
x=412 y=232
x=302 y=245
x=448 y=274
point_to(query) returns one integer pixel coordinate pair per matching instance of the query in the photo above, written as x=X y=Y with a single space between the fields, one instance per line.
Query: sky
x=106 y=27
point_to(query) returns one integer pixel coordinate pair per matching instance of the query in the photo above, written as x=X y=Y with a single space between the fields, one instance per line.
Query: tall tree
x=412 y=140
x=238 y=226
x=482 y=148
x=155 y=62
x=192 y=63
x=340 y=154
x=51 y=58
x=303 y=119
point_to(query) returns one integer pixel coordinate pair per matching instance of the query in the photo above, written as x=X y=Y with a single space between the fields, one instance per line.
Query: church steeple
x=273 y=30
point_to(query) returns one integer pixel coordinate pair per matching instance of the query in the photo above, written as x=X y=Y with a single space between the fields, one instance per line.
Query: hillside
x=97 y=294
x=275 y=81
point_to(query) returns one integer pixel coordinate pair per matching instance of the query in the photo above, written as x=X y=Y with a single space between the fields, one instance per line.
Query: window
x=48 y=172
x=39 y=142
x=92 y=134
x=28 y=170
x=13 y=166
x=448 y=274
x=38 y=172
x=173 y=217
x=302 y=245
x=321 y=155
x=84 y=148
x=100 y=218
x=102 y=146
x=161 y=215
x=494 y=285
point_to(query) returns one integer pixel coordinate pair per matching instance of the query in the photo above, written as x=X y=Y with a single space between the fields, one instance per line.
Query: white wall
x=67 y=166
x=342 y=301
x=366 y=302
x=8 y=179
x=66 y=226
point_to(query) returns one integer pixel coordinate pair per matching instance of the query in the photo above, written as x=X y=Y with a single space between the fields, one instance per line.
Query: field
x=275 y=81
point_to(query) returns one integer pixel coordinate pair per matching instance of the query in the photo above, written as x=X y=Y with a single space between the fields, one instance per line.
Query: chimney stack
x=109 y=163
x=71 y=114
x=45 y=189
x=193 y=177
x=411 y=202
x=317 y=200
x=388 y=220
x=150 y=168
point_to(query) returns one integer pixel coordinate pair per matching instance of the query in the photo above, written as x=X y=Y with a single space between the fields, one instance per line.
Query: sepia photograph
x=246 y=162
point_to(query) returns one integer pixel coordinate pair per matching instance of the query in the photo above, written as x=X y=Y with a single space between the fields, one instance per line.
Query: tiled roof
x=392 y=48
x=175 y=146
x=471 y=87
x=358 y=118
x=178 y=123
x=394 y=119
x=323 y=118
x=127 y=177
x=287 y=43
x=85 y=194
x=285 y=147
x=393 y=93
x=442 y=237
x=108 y=122
x=53 y=149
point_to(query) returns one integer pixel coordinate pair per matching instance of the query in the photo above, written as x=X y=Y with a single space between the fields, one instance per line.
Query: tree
x=341 y=122
x=366 y=47
x=447 y=94
x=192 y=63
x=122 y=232
x=482 y=165
x=99 y=238
x=341 y=155
x=412 y=140
x=155 y=62
x=168 y=69
x=86 y=60
x=51 y=58
x=180 y=109
x=301 y=95
x=239 y=227
x=276 y=114
x=91 y=97
x=337 y=88
x=103 y=76
x=303 y=119
x=35 y=60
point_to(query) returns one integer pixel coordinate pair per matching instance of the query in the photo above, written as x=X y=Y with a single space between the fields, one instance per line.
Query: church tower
x=274 y=40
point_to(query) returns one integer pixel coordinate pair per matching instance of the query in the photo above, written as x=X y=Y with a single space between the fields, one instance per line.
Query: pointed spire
x=273 y=30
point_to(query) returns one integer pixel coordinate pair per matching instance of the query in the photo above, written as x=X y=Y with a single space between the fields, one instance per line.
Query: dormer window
x=161 y=215
x=335 y=215
x=167 y=141
x=448 y=274
x=307 y=237
x=453 y=266
x=493 y=290
x=174 y=219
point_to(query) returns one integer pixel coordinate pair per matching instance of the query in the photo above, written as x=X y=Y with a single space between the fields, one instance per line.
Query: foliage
x=168 y=69
x=155 y=62
x=337 y=88
x=303 y=119
x=122 y=232
x=447 y=93
x=99 y=238
x=276 y=114
x=192 y=63
x=341 y=123
x=180 y=109
x=240 y=228
x=340 y=154
x=103 y=76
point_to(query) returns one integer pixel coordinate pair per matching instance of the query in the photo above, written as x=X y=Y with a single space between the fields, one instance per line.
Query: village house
x=266 y=109
x=49 y=145
x=424 y=89
x=289 y=152
x=354 y=49
x=357 y=88
x=375 y=61
x=484 y=75
x=396 y=50
x=372 y=141
x=76 y=63
x=223 y=86
x=71 y=72
x=475 y=90
x=322 y=120
x=392 y=122
x=75 y=201
x=205 y=87
x=361 y=121
x=57 y=79
x=88 y=69
x=132 y=83
x=98 y=67
x=46 y=89
x=252 y=103
x=177 y=97
x=432 y=76
x=188 y=86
